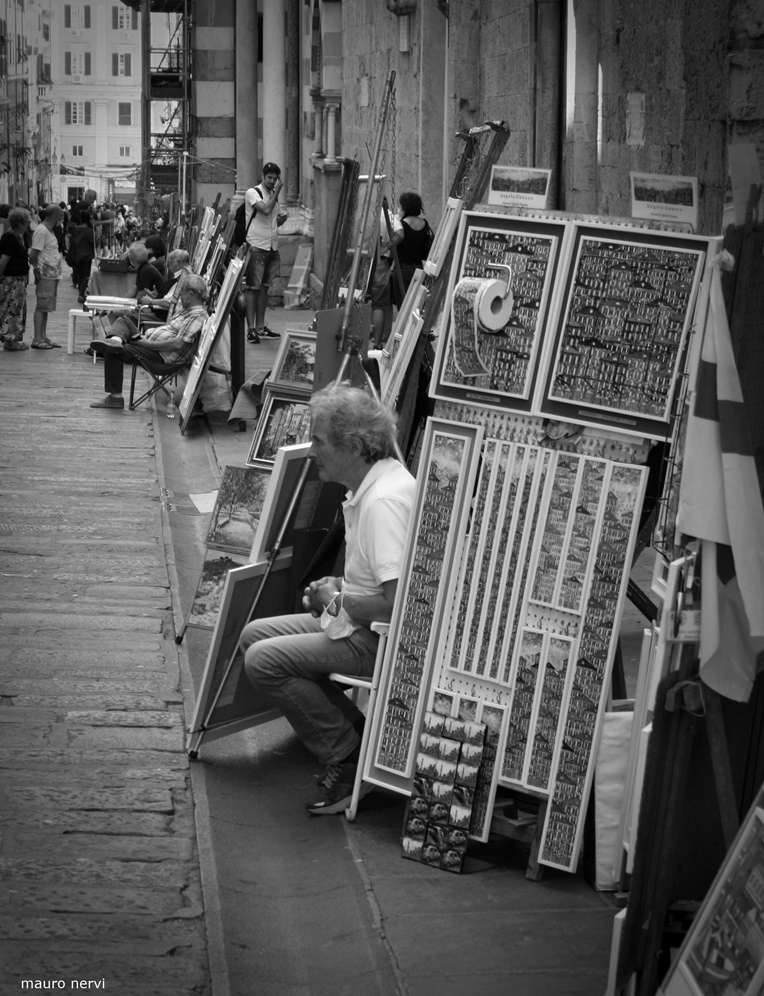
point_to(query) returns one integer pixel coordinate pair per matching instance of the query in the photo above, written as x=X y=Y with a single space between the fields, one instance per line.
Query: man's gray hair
x=177 y=258
x=196 y=284
x=349 y=413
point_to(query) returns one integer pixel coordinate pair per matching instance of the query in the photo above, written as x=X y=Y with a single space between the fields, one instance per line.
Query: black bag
x=241 y=227
x=240 y=231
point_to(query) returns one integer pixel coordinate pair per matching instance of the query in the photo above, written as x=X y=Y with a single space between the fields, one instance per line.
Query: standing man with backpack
x=263 y=218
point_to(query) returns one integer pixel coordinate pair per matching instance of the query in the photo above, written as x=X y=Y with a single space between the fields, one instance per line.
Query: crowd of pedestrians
x=39 y=239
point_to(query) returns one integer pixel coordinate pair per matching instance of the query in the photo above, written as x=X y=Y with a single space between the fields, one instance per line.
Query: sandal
x=43 y=344
x=14 y=345
x=53 y=345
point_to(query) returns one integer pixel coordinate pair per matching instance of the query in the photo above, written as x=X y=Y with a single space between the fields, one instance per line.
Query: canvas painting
x=209 y=591
x=284 y=421
x=295 y=361
x=238 y=508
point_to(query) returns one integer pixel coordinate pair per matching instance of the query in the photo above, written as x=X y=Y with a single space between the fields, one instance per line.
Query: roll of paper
x=478 y=305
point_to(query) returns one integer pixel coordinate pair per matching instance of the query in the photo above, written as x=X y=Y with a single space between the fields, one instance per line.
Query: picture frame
x=238 y=509
x=519 y=187
x=445 y=233
x=723 y=951
x=213 y=329
x=400 y=362
x=208 y=597
x=450 y=451
x=284 y=421
x=316 y=502
x=416 y=295
x=512 y=356
x=294 y=366
x=627 y=303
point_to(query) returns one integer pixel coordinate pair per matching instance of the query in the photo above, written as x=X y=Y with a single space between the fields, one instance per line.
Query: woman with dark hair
x=14 y=276
x=82 y=254
x=412 y=238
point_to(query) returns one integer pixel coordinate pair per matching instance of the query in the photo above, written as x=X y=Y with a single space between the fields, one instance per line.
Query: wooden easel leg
x=535 y=871
x=720 y=759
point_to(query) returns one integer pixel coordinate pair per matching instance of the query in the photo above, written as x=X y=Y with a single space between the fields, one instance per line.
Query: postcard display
x=525 y=528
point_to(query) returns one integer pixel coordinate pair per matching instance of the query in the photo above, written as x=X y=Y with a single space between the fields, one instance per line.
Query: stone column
x=291 y=165
x=247 y=166
x=274 y=83
x=331 y=133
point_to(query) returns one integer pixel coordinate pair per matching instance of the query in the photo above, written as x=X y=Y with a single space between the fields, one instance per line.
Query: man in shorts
x=263 y=240
x=45 y=258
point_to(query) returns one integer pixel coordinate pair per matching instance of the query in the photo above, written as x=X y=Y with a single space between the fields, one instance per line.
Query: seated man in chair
x=288 y=658
x=162 y=343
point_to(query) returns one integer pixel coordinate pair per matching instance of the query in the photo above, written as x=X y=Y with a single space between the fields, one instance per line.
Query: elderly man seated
x=163 y=303
x=162 y=344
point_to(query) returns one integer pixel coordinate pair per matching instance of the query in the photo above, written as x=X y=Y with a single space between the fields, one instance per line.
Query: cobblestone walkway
x=99 y=874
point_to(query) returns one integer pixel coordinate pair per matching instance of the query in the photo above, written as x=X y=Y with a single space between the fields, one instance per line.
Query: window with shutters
x=125 y=114
x=77 y=63
x=121 y=64
x=124 y=19
x=78 y=112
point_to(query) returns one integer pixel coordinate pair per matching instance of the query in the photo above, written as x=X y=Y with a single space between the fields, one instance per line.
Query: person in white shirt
x=46 y=259
x=288 y=658
x=263 y=218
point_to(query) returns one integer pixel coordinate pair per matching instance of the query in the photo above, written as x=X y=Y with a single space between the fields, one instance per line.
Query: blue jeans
x=287 y=659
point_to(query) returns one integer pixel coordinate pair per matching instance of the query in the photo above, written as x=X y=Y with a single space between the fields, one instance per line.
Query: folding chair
x=372 y=687
x=160 y=372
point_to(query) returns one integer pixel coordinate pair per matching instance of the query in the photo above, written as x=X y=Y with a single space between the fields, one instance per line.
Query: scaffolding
x=165 y=105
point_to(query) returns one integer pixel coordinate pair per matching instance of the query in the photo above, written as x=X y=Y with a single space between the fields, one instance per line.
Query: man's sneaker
x=336 y=785
x=267 y=333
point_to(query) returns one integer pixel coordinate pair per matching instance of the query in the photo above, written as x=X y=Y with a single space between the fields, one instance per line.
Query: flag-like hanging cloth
x=720 y=503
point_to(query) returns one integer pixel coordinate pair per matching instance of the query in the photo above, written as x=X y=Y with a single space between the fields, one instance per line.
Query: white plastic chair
x=372 y=686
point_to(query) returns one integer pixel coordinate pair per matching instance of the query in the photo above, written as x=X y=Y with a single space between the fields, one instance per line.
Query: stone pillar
x=331 y=133
x=247 y=166
x=292 y=163
x=274 y=83
x=318 y=113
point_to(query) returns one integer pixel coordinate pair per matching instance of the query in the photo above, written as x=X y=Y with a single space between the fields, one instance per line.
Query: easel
x=684 y=708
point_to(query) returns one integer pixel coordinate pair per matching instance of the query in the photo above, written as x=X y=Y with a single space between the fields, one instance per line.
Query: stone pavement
x=122 y=864
x=98 y=857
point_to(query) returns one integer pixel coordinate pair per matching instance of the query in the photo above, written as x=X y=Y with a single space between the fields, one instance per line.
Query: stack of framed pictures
x=285 y=416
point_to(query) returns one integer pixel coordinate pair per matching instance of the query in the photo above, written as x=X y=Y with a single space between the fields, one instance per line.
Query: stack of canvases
x=439 y=812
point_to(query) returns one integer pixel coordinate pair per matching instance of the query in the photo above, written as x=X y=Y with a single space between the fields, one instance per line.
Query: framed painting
x=295 y=362
x=238 y=508
x=208 y=597
x=212 y=330
x=445 y=481
x=723 y=952
x=628 y=302
x=507 y=374
x=400 y=362
x=284 y=421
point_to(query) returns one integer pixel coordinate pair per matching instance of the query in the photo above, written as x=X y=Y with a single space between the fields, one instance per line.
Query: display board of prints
x=601 y=314
x=519 y=609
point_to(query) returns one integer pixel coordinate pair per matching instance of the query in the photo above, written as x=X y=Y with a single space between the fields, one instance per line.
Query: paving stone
x=132 y=761
x=106 y=847
x=105 y=738
x=46 y=897
x=71 y=797
x=118 y=933
x=113 y=824
x=120 y=718
x=62 y=620
x=83 y=871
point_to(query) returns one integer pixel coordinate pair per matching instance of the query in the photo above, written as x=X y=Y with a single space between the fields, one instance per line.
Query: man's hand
x=319 y=594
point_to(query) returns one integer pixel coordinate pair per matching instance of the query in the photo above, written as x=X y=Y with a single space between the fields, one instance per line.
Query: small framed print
x=295 y=362
x=509 y=358
x=284 y=421
x=626 y=308
x=238 y=508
